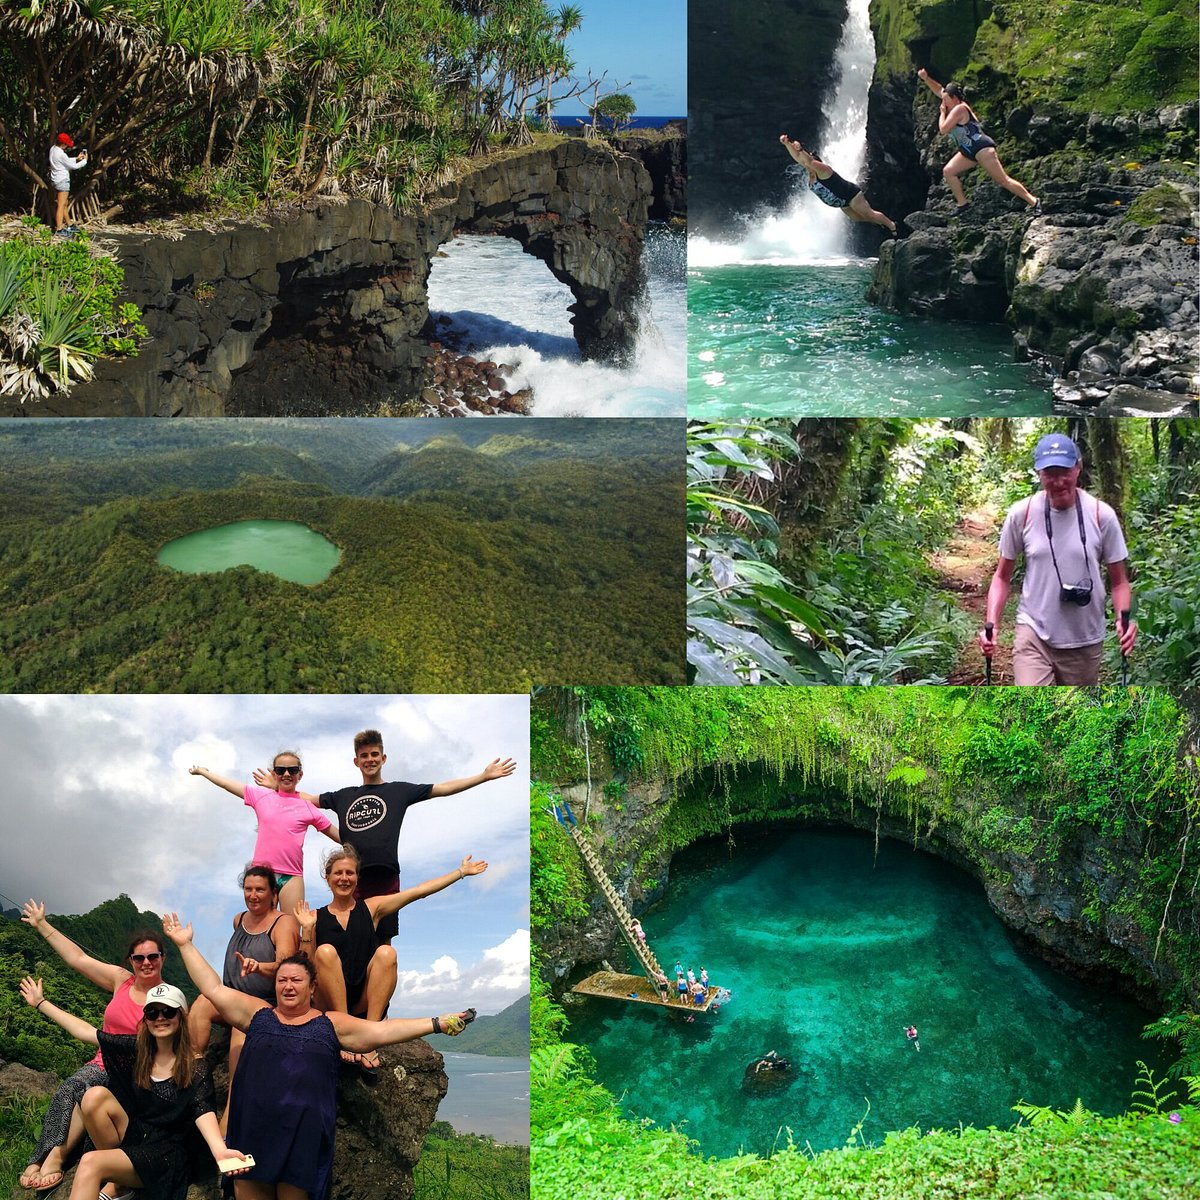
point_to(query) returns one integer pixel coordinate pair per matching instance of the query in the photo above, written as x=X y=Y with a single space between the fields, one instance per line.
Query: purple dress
x=283 y=1106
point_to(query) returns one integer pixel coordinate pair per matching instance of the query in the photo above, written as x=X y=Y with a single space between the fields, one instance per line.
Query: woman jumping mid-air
x=957 y=120
x=830 y=188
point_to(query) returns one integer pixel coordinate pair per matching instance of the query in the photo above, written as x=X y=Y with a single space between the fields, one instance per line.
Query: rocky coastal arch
x=321 y=309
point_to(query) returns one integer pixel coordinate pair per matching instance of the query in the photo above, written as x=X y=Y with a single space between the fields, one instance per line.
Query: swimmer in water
x=830 y=188
x=910 y=1032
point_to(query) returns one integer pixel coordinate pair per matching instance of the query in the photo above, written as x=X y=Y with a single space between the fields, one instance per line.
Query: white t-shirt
x=1056 y=622
x=61 y=166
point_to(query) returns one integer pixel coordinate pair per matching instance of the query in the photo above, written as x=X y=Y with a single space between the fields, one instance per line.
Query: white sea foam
x=503 y=304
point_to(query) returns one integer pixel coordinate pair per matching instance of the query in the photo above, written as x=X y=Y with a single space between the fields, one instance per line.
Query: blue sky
x=98 y=801
x=645 y=42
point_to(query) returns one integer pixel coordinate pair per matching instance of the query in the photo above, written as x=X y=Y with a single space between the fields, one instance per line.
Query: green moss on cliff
x=1163 y=205
x=1091 y=56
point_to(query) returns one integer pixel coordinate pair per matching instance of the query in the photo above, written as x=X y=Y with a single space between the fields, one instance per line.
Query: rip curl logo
x=365 y=812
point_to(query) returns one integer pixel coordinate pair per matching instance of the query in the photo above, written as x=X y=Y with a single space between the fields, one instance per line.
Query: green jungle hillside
x=462 y=568
x=104 y=933
x=505 y=1035
x=1071 y=785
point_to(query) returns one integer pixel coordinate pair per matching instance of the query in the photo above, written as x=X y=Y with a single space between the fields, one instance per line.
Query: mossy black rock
x=324 y=309
x=1112 y=263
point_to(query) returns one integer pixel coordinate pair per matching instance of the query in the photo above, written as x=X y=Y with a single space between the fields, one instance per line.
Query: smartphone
x=234 y=1164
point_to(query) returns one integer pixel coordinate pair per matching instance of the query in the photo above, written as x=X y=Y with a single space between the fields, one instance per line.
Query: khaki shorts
x=1037 y=662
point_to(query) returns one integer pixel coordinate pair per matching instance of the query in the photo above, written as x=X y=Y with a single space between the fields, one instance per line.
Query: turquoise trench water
x=828 y=959
x=283 y=548
x=801 y=341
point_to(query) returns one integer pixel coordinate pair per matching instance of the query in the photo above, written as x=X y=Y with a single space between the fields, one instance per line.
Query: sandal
x=370 y=1070
x=455 y=1023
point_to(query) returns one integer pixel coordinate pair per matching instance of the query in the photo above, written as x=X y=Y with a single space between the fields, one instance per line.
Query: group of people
x=689 y=988
x=302 y=991
x=973 y=147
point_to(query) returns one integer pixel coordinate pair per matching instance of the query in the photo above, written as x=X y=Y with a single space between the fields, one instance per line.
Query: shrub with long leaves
x=746 y=623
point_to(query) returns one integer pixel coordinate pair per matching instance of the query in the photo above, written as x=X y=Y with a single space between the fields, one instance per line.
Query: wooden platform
x=637 y=989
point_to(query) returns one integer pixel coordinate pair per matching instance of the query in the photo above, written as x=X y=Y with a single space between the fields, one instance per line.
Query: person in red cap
x=61 y=166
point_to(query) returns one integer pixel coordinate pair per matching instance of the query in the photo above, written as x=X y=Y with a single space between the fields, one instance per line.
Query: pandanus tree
x=125 y=75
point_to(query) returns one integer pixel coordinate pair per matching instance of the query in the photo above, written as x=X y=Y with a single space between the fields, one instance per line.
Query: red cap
x=65 y=139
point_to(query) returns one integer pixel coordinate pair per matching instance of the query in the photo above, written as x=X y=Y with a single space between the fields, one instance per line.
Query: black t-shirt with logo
x=370 y=816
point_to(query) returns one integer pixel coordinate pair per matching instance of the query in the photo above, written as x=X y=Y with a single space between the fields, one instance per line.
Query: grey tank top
x=250 y=945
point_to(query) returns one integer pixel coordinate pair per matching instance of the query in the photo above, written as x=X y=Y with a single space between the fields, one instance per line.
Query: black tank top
x=250 y=945
x=355 y=944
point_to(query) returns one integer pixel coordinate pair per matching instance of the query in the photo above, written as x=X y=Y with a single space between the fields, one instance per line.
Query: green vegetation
x=505 y=1035
x=104 y=933
x=616 y=111
x=58 y=312
x=509 y=577
x=466 y=1166
x=1088 y=55
x=1050 y=776
x=217 y=106
x=815 y=547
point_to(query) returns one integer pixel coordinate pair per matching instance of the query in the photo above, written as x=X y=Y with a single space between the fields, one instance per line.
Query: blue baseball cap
x=1055 y=450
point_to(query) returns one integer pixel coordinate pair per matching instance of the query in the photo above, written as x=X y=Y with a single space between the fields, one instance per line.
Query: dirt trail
x=965 y=569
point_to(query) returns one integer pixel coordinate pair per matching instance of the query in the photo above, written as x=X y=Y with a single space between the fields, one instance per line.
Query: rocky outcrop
x=1102 y=287
x=323 y=310
x=380 y=1130
x=664 y=155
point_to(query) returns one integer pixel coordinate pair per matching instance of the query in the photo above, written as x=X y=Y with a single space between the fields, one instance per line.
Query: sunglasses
x=154 y=1013
x=287 y=770
x=144 y=958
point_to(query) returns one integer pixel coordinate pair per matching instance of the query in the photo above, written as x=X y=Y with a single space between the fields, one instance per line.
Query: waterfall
x=809 y=231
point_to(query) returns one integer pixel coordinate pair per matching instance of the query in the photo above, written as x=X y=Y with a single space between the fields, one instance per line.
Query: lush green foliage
x=1015 y=770
x=222 y=102
x=20 y=1124
x=557 y=885
x=491 y=585
x=466 y=1166
x=103 y=933
x=505 y=1035
x=811 y=545
x=59 y=312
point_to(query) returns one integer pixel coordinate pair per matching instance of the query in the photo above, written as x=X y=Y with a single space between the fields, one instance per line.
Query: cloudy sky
x=97 y=801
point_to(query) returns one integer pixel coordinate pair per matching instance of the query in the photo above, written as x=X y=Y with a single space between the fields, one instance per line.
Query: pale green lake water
x=284 y=548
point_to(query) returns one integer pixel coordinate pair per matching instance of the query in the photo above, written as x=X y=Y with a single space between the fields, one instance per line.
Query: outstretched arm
x=77 y=1027
x=230 y=785
x=929 y=81
x=235 y=1007
x=383 y=906
x=498 y=768
x=102 y=974
x=357 y=1034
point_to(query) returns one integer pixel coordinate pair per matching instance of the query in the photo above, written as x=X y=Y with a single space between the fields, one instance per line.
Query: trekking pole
x=1124 y=656
x=987 y=658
